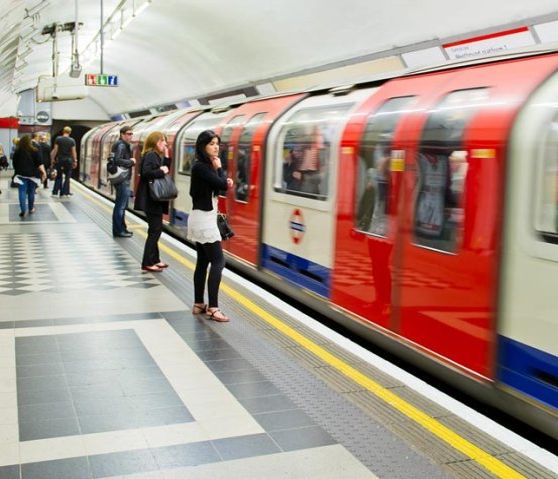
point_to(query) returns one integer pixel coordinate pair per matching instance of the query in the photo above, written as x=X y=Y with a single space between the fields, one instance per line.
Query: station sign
x=42 y=116
x=100 y=79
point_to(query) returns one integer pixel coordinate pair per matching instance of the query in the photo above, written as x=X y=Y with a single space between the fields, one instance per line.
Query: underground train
x=419 y=210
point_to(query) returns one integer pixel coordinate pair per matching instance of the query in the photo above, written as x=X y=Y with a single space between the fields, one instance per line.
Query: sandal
x=199 y=308
x=216 y=314
x=151 y=269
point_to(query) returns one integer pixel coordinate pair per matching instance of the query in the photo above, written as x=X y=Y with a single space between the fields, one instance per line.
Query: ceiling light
x=143 y=7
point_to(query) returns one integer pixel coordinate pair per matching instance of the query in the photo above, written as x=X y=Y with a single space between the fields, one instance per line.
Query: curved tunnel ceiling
x=186 y=49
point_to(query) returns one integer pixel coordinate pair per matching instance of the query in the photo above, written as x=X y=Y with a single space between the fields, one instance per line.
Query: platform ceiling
x=178 y=49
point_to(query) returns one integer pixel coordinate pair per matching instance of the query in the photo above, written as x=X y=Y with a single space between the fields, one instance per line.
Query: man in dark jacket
x=122 y=157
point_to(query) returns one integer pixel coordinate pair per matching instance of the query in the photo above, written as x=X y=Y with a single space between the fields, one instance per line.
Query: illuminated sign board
x=99 y=79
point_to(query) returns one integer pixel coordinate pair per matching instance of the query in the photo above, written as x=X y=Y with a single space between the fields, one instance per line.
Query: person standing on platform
x=155 y=163
x=15 y=142
x=207 y=180
x=122 y=157
x=64 y=156
x=44 y=149
x=3 y=160
x=28 y=169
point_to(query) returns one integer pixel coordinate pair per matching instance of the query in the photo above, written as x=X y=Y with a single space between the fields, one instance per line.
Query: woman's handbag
x=224 y=227
x=162 y=189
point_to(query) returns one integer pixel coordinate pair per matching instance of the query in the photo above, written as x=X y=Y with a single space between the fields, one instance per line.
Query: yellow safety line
x=435 y=427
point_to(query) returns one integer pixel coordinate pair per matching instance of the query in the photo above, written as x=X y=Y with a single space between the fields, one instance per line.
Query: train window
x=373 y=176
x=546 y=217
x=244 y=155
x=225 y=136
x=306 y=144
x=186 y=149
x=442 y=170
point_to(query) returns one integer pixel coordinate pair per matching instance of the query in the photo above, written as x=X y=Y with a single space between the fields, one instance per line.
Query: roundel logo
x=296 y=225
x=42 y=116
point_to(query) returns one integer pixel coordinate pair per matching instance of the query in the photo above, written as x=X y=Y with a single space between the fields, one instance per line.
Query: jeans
x=119 y=211
x=63 y=167
x=26 y=192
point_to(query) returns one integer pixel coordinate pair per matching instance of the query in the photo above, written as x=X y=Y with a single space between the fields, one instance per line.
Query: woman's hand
x=165 y=169
x=216 y=162
x=230 y=182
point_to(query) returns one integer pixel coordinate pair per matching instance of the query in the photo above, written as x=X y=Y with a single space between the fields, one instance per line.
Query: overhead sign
x=100 y=79
x=489 y=44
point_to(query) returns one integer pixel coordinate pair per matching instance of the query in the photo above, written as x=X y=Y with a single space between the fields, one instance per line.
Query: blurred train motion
x=421 y=211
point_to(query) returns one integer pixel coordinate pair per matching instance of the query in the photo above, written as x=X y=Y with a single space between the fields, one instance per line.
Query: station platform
x=105 y=372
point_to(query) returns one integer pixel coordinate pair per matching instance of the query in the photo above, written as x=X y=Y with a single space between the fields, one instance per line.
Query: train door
x=228 y=132
x=369 y=201
x=245 y=166
x=185 y=148
x=301 y=189
x=171 y=130
x=445 y=286
x=86 y=155
x=96 y=164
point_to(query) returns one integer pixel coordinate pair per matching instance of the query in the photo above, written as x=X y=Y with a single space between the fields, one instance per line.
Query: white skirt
x=202 y=225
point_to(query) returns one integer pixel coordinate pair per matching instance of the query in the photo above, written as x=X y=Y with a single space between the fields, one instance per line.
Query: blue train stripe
x=297 y=270
x=529 y=370
x=179 y=218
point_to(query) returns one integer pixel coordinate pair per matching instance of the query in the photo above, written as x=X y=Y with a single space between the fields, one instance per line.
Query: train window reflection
x=306 y=141
x=547 y=204
x=243 y=158
x=225 y=136
x=442 y=170
x=186 y=146
x=373 y=175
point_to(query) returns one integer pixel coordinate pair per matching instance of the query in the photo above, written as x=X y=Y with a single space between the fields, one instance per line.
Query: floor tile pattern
x=66 y=261
x=85 y=383
x=43 y=212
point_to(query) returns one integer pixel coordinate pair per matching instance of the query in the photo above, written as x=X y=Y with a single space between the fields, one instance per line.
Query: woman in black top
x=154 y=164
x=28 y=168
x=207 y=180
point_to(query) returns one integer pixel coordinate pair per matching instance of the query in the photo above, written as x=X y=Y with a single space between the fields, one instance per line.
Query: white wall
x=86 y=109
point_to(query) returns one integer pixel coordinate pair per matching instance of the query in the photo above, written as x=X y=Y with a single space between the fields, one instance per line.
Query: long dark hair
x=25 y=144
x=204 y=138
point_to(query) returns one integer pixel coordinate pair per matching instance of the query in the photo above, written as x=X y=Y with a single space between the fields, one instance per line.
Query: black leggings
x=208 y=253
x=151 y=251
